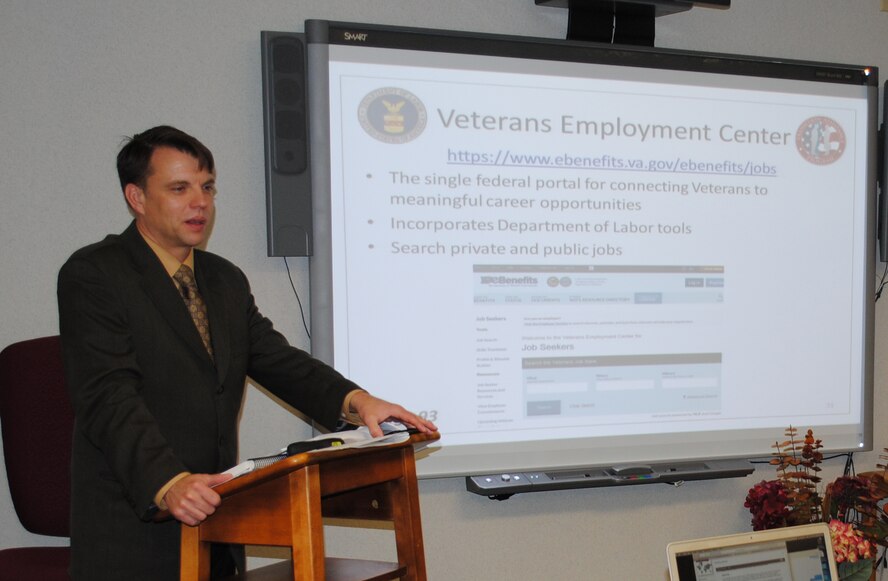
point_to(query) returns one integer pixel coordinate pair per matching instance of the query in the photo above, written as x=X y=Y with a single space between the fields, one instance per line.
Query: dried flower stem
x=798 y=462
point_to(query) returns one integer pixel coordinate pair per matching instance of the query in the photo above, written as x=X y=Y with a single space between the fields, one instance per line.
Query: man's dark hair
x=134 y=159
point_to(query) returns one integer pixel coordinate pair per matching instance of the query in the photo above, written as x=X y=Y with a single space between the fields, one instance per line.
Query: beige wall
x=77 y=76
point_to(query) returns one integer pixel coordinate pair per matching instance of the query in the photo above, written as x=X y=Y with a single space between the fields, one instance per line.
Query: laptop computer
x=800 y=553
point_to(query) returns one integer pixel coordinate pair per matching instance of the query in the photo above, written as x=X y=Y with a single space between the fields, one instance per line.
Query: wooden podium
x=283 y=505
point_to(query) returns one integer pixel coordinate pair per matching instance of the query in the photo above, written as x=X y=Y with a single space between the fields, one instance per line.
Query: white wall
x=77 y=76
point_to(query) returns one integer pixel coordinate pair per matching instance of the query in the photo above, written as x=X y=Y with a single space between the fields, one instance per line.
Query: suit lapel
x=162 y=291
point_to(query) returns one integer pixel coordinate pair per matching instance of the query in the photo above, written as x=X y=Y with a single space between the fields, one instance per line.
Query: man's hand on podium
x=373 y=410
x=192 y=499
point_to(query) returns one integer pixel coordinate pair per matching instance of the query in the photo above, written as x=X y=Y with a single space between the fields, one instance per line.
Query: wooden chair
x=283 y=505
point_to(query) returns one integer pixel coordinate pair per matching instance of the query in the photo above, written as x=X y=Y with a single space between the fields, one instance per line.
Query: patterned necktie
x=195 y=303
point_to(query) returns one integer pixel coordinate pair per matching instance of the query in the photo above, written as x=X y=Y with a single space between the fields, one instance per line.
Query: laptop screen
x=802 y=553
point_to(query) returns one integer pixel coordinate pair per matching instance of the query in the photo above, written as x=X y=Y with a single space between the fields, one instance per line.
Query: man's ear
x=135 y=197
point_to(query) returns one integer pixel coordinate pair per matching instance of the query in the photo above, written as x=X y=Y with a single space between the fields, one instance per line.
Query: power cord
x=882 y=281
x=849 y=465
x=849 y=462
x=298 y=300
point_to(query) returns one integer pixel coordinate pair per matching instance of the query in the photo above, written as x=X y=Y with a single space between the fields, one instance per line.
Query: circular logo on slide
x=392 y=115
x=820 y=140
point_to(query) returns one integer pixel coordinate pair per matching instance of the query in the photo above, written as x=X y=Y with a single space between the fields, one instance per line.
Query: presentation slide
x=538 y=250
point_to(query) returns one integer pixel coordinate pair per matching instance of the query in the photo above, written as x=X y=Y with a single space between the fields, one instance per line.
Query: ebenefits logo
x=392 y=115
x=820 y=140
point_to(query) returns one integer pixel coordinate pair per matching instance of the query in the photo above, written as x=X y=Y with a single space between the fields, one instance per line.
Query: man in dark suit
x=156 y=396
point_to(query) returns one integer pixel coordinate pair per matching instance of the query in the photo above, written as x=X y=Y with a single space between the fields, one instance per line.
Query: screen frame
x=571 y=453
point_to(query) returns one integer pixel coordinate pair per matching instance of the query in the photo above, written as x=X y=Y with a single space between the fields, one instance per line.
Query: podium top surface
x=321 y=456
x=297 y=461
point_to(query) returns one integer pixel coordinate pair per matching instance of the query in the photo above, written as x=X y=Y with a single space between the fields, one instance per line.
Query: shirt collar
x=170 y=263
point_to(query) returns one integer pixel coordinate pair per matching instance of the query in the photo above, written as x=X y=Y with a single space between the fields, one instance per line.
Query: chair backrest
x=37 y=423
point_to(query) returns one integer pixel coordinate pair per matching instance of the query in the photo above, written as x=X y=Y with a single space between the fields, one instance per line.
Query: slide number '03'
x=431 y=415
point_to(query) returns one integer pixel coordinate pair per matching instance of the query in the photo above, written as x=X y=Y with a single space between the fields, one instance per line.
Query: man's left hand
x=373 y=410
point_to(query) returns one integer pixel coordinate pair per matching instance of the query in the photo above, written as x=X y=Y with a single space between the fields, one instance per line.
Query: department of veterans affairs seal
x=392 y=115
x=820 y=140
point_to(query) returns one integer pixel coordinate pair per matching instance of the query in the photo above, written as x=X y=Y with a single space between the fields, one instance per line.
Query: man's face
x=175 y=208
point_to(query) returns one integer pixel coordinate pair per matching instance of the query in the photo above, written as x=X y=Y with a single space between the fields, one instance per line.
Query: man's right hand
x=192 y=499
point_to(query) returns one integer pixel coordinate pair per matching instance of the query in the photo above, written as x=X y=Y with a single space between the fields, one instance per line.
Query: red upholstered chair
x=37 y=422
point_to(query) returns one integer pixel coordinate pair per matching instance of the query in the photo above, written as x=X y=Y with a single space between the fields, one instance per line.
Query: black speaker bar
x=287 y=173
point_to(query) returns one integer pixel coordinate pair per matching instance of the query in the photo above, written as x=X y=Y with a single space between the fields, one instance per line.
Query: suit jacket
x=150 y=403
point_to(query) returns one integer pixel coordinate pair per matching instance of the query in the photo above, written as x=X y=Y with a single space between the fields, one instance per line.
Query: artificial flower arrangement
x=852 y=505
